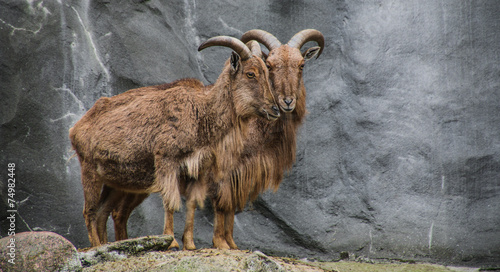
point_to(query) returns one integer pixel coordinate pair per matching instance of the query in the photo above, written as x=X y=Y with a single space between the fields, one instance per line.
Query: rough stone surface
x=124 y=249
x=399 y=156
x=204 y=260
x=38 y=251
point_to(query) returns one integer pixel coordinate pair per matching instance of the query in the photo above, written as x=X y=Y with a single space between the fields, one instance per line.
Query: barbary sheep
x=270 y=148
x=121 y=204
x=145 y=140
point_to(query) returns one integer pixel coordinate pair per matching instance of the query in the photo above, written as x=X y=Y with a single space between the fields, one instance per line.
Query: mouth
x=271 y=116
x=287 y=109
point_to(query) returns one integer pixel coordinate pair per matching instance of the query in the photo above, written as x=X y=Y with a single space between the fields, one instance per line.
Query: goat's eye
x=301 y=67
x=250 y=75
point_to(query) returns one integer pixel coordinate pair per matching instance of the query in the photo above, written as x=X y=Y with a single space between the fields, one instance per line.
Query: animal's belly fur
x=134 y=177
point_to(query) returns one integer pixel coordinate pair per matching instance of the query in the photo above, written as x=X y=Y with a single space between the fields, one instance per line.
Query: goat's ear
x=235 y=62
x=311 y=52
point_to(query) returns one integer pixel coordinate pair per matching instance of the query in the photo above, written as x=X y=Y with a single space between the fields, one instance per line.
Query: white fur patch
x=194 y=163
x=168 y=186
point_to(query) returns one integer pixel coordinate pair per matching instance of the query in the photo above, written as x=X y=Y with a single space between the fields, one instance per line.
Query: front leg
x=229 y=226
x=187 y=238
x=167 y=184
x=219 y=240
x=169 y=228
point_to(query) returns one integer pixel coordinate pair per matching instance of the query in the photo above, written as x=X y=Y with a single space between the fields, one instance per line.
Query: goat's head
x=285 y=62
x=249 y=79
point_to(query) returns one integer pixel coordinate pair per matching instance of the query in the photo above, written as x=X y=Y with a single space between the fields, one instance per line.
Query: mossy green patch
x=345 y=266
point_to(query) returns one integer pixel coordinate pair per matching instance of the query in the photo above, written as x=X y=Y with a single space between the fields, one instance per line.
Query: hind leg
x=121 y=214
x=91 y=194
x=103 y=213
x=118 y=203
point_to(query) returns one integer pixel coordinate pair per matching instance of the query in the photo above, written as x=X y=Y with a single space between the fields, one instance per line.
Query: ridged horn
x=254 y=48
x=307 y=35
x=233 y=43
x=263 y=37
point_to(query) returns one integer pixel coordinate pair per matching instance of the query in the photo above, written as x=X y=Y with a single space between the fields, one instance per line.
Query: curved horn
x=255 y=48
x=263 y=37
x=233 y=43
x=307 y=35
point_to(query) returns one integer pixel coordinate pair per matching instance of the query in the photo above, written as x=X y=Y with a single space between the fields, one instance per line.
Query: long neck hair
x=268 y=153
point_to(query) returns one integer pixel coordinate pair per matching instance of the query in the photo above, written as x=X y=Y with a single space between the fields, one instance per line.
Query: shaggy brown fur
x=143 y=140
x=121 y=204
x=268 y=152
x=270 y=148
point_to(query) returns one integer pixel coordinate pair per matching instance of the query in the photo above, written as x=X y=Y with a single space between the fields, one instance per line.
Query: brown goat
x=144 y=140
x=121 y=204
x=270 y=147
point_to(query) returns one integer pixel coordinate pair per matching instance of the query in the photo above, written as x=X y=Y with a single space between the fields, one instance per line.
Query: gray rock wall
x=399 y=156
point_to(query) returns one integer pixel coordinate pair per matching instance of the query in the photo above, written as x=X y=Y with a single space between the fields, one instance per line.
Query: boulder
x=204 y=260
x=38 y=251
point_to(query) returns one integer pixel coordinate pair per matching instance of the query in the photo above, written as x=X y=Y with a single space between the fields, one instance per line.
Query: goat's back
x=130 y=125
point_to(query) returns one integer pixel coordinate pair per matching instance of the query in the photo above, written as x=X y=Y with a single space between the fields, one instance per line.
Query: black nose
x=275 y=109
x=288 y=101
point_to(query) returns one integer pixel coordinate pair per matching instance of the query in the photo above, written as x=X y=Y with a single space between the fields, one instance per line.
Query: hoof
x=232 y=245
x=222 y=247
x=220 y=244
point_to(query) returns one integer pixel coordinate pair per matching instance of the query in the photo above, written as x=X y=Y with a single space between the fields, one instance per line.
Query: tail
x=71 y=137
